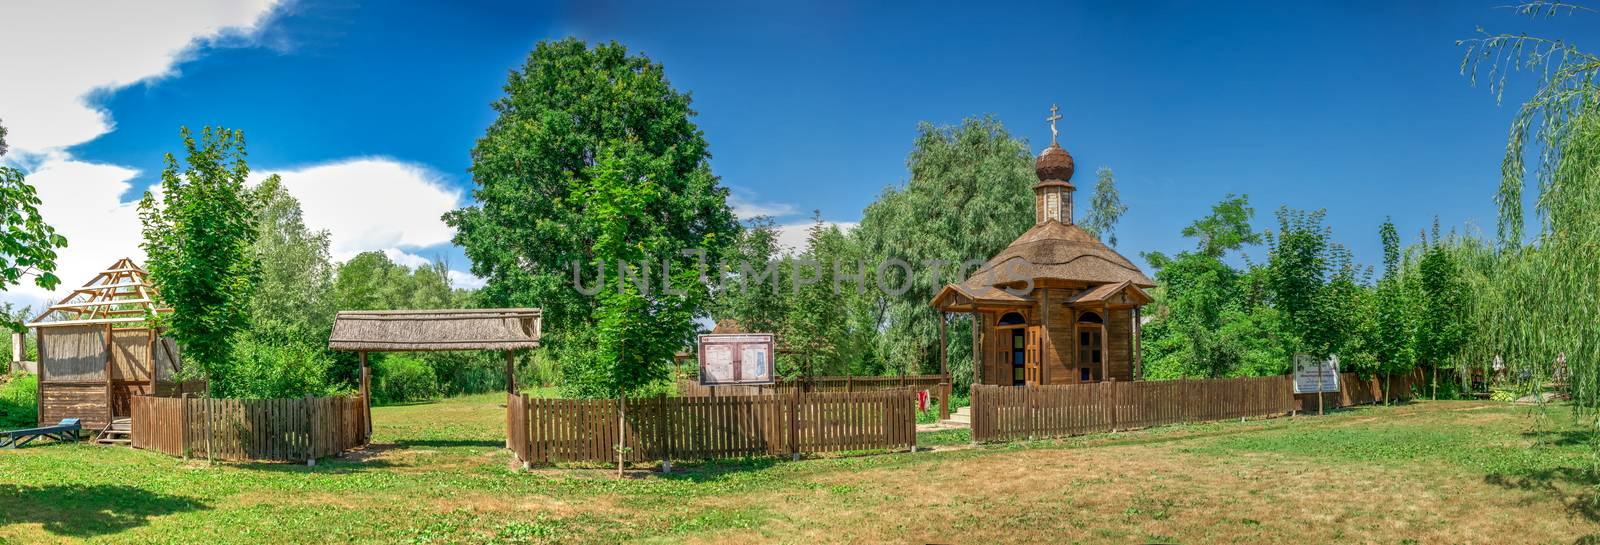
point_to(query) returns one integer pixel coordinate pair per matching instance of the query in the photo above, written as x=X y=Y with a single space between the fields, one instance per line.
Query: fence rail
x=1002 y=413
x=689 y=428
x=691 y=388
x=249 y=429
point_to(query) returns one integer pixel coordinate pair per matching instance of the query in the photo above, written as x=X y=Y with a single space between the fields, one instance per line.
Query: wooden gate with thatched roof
x=508 y=329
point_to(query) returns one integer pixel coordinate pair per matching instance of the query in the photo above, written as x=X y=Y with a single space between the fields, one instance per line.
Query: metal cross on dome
x=1055 y=114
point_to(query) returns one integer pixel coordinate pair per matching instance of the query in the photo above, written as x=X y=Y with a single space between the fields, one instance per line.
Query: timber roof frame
x=121 y=294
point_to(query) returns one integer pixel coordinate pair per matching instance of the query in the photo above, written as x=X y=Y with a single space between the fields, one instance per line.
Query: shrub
x=269 y=370
x=402 y=377
x=18 y=402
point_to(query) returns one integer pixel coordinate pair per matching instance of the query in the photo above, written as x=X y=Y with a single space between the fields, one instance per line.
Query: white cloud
x=406 y=258
x=465 y=280
x=83 y=202
x=58 y=53
x=372 y=204
x=745 y=207
x=792 y=237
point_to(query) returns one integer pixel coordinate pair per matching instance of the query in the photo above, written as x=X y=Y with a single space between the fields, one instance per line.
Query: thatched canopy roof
x=436 y=330
x=1049 y=251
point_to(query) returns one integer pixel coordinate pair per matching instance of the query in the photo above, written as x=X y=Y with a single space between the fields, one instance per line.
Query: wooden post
x=944 y=366
x=111 y=414
x=17 y=351
x=311 y=433
x=977 y=348
x=1138 y=347
x=1105 y=343
x=1319 y=389
x=1044 y=334
x=622 y=430
x=366 y=398
x=183 y=426
x=511 y=371
x=208 y=430
x=794 y=425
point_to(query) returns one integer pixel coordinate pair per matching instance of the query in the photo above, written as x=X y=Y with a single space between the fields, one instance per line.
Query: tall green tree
x=968 y=197
x=744 y=294
x=1302 y=263
x=1105 y=208
x=1226 y=228
x=27 y=244
x=293 y=301
x=594 y=157
x=818 y=327
x=1443 y=304
x=1394 y=336
x=199 y=238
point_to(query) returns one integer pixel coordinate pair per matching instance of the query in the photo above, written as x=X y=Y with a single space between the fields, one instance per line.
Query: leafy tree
x=1105 y=209
x=1226 y=228
x=27 y=244
x=1394 y=335
x=593 y=158
x=293 y=301
x=818 y=326
x=757 y=304
x=1442 y=328
x=968 y=197
x=199 y=240
x=1300 y=264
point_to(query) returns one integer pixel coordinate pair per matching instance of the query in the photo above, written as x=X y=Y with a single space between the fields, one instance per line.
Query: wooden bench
x=67 y=429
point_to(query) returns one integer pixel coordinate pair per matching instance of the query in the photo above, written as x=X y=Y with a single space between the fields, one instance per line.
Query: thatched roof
x=1049 y=251
x=436 y=330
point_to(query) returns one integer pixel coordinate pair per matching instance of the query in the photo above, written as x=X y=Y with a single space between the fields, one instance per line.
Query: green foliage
x=371 y=281
x=3 y=147
x=594 y=158
x=402 y=377
x=199 y=241
x=19 y=403
x=1209 y=318
x=819 y=325
x=1227 y=228
x=1105 y=208
x=1311 y=281
x=1442 y=305
x=263 y=369
x=1394 y=334
x=968 y=197
x=293 y=301
x=759 y=305
x=1544 y=296
x=27 y=244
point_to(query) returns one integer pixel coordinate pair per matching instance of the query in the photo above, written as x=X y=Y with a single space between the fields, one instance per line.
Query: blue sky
x=371 y=108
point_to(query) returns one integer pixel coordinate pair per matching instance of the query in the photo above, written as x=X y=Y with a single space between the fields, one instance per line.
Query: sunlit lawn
x=1442 y=472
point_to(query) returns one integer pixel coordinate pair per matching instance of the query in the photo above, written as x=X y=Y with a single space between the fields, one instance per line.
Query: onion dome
x=1054 y=164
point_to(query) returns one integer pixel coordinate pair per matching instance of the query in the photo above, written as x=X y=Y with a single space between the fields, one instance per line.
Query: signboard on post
x=1312 y=376
x=744 y=358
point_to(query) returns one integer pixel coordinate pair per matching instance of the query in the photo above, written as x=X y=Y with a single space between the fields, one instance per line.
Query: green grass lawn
x=1456 y=472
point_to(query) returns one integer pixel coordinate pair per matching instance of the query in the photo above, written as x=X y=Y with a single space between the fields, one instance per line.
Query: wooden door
x=1090 y=355
x=1035 y=356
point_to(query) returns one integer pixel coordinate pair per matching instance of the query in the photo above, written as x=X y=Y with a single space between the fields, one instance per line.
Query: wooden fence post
x=183 y=426
x=944 y=399
x=311 y=432
x=208 y=429
x=794 y=425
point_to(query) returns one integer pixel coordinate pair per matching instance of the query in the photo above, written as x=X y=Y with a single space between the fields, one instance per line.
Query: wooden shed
x=97 y=349
x=1056 y=306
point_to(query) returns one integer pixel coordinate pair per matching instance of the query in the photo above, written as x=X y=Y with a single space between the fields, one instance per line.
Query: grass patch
x=1456 y=472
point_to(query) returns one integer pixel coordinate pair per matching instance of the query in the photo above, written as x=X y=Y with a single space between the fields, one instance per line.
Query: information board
x=1309 y=373
x=744 y=358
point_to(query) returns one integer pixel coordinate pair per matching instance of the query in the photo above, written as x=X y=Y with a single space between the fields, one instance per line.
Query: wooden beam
x=511 y=372
x=1105 y=347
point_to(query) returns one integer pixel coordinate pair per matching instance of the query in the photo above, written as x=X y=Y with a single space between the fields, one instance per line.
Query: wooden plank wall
x=1355 y=391
x=296 y=429
x=1001 y=413
x=697 y=428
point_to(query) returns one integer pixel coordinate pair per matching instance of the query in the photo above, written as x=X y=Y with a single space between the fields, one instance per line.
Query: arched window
x=1090 y=318
x=1011 y=318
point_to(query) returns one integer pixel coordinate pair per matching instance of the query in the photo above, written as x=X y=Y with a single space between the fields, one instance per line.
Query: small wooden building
x=1056 y=306
x=97 y=349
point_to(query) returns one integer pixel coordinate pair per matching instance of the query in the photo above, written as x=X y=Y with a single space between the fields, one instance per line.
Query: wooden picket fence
x=933 y=383
x=698 y=428
x=1001 y=413
x=296 y=429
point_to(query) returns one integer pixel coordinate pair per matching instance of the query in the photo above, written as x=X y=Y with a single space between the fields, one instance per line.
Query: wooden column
x=511 y=372
x=366 y=396
x=17 y=351
x=1138 y=346
x=111 y=413
x=977 y=348
x=944 y=365
x=944 y=368
x=1105 y=343
x=1044 y=336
